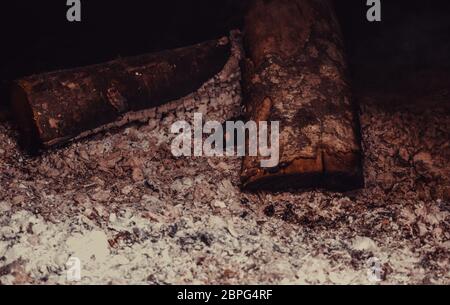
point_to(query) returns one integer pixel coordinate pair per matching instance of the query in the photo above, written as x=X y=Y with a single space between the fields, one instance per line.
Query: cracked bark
x=295 y=73
x=54 y=108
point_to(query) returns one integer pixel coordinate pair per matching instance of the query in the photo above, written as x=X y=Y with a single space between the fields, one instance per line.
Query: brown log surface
x=53 y=108
x=295 y=73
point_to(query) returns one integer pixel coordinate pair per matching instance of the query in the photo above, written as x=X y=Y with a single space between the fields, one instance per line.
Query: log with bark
x=295 y=73
x=53 y=108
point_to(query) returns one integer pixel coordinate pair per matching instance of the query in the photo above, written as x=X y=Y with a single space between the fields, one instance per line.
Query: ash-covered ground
x=133 y=213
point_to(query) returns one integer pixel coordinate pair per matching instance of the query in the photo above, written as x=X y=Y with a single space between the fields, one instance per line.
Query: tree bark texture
x=295 y=73
x=53 y=108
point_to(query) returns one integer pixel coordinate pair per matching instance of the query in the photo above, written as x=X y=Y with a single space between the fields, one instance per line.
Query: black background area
x=36 y=36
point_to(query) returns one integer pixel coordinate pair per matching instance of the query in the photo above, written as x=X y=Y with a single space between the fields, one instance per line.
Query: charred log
x=295 y=73
x=53 y=108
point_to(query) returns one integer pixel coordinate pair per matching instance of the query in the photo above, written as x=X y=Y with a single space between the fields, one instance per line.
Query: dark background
x=412 y=41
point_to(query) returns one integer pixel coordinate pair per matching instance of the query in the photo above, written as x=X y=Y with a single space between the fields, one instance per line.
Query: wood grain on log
x=53 y=108
x=295 y=73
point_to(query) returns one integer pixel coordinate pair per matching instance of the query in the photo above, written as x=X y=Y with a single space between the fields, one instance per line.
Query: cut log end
x=29 y=138
x=337 y=173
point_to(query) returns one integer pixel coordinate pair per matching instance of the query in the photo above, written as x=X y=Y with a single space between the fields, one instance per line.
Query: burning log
x=53 y=108
x=295 y=73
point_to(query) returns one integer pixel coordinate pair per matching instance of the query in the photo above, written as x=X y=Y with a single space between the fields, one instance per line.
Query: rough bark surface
x=53 y=108
x=295 y=73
